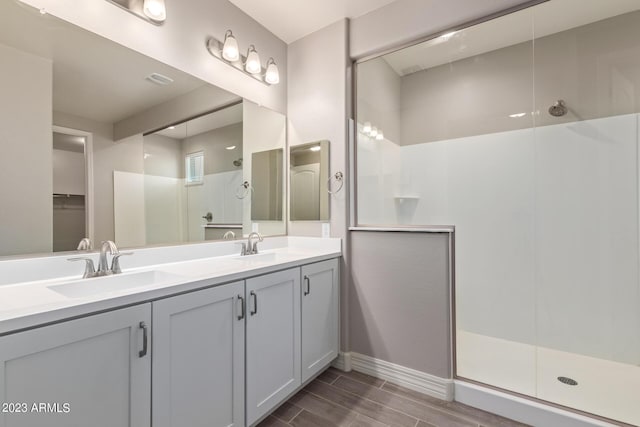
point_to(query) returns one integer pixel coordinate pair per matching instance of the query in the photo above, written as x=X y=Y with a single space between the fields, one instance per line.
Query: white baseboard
x=440 y=388
x=520 y=409
x=343 y=362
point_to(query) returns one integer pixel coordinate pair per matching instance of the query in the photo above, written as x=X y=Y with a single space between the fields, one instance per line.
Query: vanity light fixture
x=230 y=50
x=252 y=64
x=229 y=53
x=153 y=11
x=366 y=128
x=272 y=76
x=374 y=132
x=380 y=135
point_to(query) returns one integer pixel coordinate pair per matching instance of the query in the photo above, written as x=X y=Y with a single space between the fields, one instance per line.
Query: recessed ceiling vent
x=567 y=381
x=159 y=79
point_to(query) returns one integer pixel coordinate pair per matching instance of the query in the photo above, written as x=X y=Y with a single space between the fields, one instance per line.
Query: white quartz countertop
x=25 y=305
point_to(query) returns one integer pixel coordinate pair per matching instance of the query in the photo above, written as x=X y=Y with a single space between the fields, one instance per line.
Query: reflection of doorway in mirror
x=71 y=181
x=305 y=197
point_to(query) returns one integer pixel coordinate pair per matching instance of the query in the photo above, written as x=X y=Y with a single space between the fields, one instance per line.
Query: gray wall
x=108 y=156
x=216 y=157
x=317 y=110
x=26 y=143
x=399 y=309
x=594 y=68
x=163 y=156
x=180 y=41
x=379 y=100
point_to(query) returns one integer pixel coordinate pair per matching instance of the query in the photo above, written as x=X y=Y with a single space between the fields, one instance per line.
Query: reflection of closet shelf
x=66 y=196
x=406 y=197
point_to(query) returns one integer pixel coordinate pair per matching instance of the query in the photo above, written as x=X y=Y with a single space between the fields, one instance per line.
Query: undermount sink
x=116 y=282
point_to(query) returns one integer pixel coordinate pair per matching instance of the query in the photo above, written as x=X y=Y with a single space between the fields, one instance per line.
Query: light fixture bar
x=215 y=48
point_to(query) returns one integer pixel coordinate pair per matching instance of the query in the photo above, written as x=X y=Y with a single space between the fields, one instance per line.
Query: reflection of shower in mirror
x=238 y=162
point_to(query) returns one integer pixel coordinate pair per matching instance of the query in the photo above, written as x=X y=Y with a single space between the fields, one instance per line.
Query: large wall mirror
x=100 y=141
x=309 y=172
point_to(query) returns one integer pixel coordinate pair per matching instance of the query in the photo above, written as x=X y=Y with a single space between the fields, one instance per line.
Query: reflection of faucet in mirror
x=229 y=235
x=85 y=244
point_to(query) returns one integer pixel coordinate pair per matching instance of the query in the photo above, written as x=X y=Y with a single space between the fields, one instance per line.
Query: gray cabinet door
x=198 y=358
x=320 y=316
x=94 y=364
x=273 y=340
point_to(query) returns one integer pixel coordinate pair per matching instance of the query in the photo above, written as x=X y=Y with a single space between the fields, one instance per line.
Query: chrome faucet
x=103 y=264
x=252 y=247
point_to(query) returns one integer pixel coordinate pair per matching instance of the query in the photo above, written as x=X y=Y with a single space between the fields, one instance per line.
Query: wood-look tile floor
x=352 y=399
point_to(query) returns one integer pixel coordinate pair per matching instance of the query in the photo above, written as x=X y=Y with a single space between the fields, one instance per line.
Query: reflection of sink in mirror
x=118 y=282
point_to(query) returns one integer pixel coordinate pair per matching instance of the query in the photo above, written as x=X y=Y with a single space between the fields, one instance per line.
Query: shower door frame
x=354 y=225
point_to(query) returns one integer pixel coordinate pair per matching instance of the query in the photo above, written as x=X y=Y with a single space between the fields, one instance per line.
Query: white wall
x=546 y=232
x=180 y=42
x=26 y=206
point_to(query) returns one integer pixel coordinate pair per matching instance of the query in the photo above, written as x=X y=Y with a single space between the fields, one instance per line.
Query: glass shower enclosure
x=523 y=133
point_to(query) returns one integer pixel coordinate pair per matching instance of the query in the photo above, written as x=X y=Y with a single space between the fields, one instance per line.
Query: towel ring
x=243 y=190
x=339 y=177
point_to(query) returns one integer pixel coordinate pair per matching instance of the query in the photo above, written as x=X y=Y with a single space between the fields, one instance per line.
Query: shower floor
x=605 y=388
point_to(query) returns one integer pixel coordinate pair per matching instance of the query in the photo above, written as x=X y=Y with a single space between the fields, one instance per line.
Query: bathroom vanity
x=216 y=341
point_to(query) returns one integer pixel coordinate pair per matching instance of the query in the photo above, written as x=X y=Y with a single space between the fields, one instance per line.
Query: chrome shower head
x=558 y=109
x=238 y=162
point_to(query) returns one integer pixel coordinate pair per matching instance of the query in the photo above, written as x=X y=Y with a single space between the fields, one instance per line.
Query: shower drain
x=567 y=381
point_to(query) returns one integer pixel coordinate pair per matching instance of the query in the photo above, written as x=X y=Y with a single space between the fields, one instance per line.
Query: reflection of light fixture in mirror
x=171 y=127
x=159 y=79
x=155 y=10
x=231 y=147
x=229 y=53
x=230 y=50
x=380 y=135
x=447 y=36
x=374 y=132
x=513 y=116
x=272 y=75
x=315 y=148
x=253 y=65
x=366 y=128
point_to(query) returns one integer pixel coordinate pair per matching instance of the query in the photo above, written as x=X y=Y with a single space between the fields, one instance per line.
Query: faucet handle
x=89 y=269
x=243 y=251
x=115 y=262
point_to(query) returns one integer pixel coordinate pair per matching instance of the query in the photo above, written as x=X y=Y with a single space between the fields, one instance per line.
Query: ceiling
x=547 y=18
x=291 y=20
x=92 y=77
